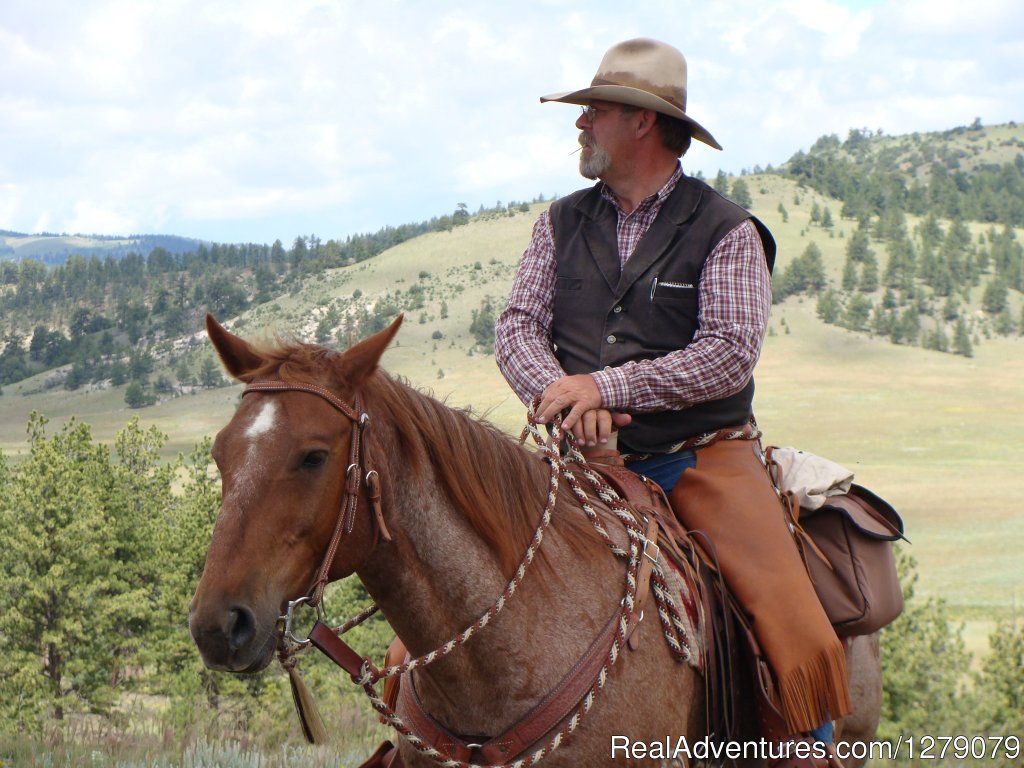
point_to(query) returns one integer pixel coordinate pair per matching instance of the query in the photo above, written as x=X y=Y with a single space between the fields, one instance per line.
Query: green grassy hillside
x=936 y=434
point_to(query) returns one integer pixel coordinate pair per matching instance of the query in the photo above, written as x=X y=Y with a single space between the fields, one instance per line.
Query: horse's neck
x=438 y=576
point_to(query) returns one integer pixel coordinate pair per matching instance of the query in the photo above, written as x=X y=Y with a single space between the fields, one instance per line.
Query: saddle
x=732 y=660
x=734 y=665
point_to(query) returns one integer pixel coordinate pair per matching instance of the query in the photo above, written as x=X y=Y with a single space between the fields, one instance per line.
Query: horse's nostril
x=241 y=627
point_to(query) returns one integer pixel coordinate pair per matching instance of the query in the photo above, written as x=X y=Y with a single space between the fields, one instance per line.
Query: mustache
x=585 y=140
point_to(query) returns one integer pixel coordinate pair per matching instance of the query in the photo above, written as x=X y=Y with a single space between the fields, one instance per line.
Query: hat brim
x=622 y=94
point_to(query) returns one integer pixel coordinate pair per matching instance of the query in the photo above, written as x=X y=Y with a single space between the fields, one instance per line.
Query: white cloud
x=202 y=119
x=89 y=218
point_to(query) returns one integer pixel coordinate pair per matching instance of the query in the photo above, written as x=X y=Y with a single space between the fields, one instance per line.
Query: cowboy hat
x=642 y=73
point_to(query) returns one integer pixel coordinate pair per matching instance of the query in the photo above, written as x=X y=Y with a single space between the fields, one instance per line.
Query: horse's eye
x=314 y=459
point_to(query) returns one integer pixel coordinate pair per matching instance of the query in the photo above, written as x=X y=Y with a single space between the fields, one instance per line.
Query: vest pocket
x=674 y=292
x=672 y=315
x=568 y=284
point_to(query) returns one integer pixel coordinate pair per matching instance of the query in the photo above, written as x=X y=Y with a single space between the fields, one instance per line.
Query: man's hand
x=589 y=422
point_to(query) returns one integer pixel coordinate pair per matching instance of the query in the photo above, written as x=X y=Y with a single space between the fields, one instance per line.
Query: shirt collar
x=651 y=200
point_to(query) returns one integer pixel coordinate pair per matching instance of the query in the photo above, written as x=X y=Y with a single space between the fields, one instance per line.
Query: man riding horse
x=640 y=305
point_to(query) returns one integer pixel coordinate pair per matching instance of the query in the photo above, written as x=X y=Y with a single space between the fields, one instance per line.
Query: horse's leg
x=863 y=662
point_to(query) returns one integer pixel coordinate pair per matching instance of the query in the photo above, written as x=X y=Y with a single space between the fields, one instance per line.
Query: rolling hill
x=51 y=248
x=935 y=433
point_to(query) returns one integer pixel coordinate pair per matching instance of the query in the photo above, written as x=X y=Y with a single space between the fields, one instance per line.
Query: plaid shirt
x=734 y=299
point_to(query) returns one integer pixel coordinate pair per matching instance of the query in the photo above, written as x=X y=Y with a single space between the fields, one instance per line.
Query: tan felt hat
x=642 y=73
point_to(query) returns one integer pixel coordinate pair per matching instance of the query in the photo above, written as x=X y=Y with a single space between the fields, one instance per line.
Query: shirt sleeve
x=734 y=295
x=523 y=348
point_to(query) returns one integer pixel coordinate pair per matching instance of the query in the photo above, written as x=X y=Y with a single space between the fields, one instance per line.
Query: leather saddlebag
x=858 y=587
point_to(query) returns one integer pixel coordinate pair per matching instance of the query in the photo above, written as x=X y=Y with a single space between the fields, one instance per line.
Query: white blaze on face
x=261 y=428
x=264 y=421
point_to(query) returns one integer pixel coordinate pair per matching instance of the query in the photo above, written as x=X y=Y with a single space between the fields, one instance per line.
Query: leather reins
x=358 y=459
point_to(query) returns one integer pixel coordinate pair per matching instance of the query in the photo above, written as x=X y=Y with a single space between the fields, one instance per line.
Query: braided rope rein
x=673 y=626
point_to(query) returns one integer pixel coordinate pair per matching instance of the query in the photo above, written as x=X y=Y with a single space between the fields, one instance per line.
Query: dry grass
x=935 y=434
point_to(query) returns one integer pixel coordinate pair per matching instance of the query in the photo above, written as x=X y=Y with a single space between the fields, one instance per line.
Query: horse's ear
x=362 y=359
x=237 y=355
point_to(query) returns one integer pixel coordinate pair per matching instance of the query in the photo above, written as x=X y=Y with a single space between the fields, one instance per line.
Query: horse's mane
x=496 y=484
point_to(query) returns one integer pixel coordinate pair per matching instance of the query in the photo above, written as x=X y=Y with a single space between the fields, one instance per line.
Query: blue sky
x=261 y=120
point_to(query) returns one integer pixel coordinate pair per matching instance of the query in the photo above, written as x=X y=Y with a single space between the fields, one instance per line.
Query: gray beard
x=592 y=167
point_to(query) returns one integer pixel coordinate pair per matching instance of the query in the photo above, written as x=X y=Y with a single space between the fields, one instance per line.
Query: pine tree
x=850 y=274
x=858 y=246
x=209 y=374
x=741 y=194
x=1004 y=324
x=996 y=296
x=999 y=688
x=482 y=326
x=857 y=313
x=917 y=693
x=829 y=308
x=721 y=183
x=869 y=274
x=962 y=339
x=78 y=569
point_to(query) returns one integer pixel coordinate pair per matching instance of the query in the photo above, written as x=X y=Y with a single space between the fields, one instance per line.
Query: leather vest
x=607 y=316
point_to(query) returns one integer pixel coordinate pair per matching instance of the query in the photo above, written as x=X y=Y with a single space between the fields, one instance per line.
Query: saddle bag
x=856 y=578
x=845 y=532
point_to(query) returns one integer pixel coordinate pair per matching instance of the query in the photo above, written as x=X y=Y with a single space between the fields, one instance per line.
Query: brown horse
x=459 y=502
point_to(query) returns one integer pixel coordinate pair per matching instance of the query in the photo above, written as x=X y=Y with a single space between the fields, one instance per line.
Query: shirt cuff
x=613 y=384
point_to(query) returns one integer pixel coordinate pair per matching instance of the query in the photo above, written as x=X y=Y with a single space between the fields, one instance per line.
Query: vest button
x=610 y=339
x=617 y=309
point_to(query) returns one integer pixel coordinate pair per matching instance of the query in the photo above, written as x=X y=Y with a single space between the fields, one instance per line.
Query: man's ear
x=646 y=123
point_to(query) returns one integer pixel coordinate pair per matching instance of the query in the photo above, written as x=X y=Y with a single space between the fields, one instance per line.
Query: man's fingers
x=620 y=419
x=573 y=417
x=593 y=427
x=578 y=393
x=604 y=425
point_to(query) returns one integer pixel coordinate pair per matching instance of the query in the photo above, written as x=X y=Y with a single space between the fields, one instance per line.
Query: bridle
x=358 y=460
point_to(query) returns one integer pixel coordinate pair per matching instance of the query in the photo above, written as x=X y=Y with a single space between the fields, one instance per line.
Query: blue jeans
x=666 y=470
x=824 y=732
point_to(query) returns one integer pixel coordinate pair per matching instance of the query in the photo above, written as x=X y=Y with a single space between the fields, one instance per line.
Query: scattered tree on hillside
x=209 y=374
x=994 y=299
x=857 y=312
x=138 y=395
x=869 y=274
x=851 y=274
x=721 y=183
x=741 y=194
x=805 y=274
x=1003 y=323
x=184 y=374
x=482 y=326
x=829 y=307
x=962 y=339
